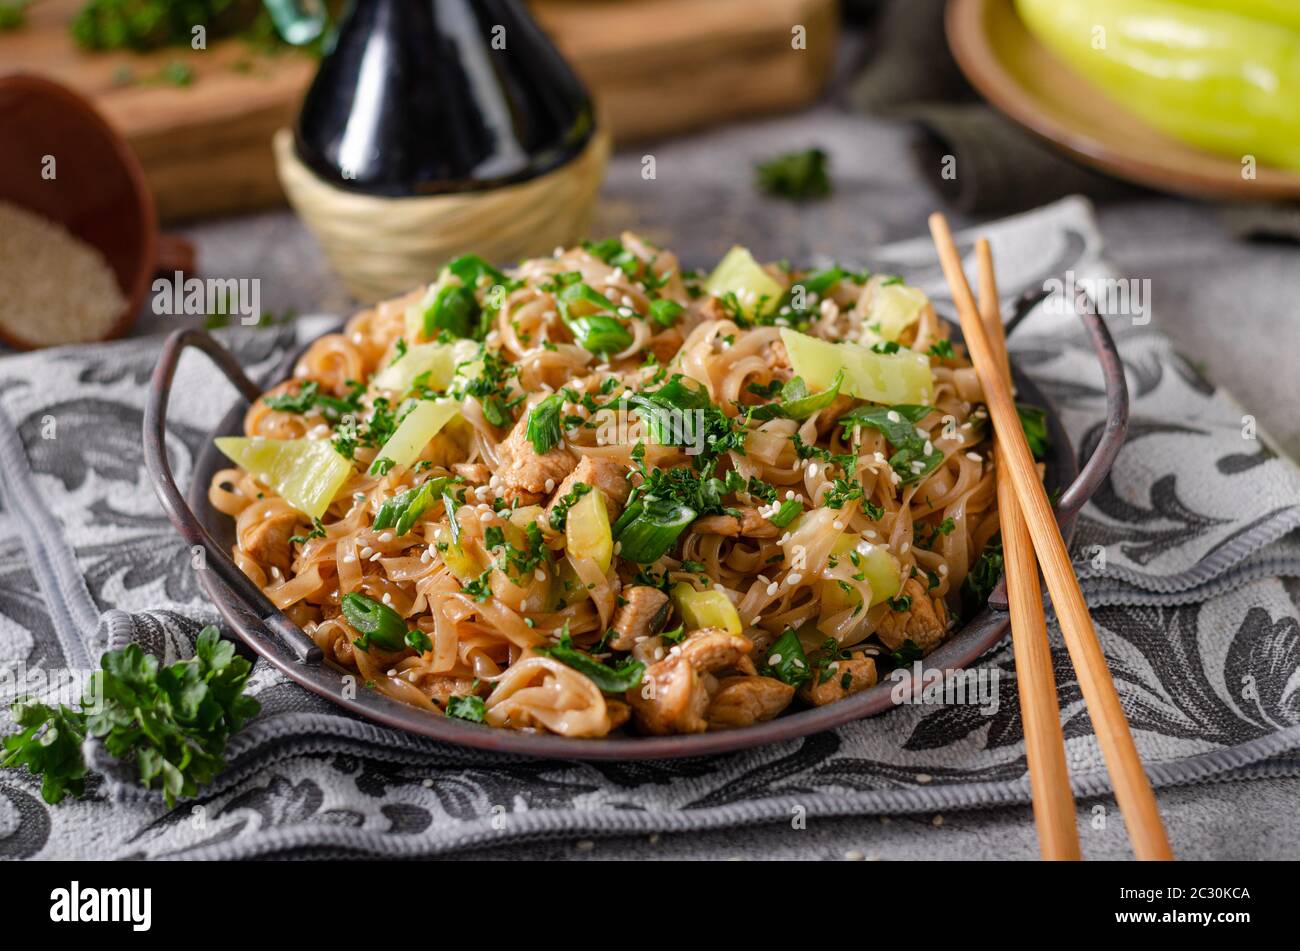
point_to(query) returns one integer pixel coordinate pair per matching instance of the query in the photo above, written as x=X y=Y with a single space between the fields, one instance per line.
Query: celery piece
x=438 y=360
x=306 y=473
x=587 y=533
x=738 y=273
x=879 y=567
x=416 y=429
x=902 y=377
x=894 y=308
x=709 y=608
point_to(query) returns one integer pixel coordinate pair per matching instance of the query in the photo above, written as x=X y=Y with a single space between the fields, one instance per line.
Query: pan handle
x=1094 y=471
x=283 y=630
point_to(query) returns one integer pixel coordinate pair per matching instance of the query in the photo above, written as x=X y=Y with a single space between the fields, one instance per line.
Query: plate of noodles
x=598 y=506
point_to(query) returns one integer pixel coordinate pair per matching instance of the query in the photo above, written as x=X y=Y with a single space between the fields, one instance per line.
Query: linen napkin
x=1191 y=594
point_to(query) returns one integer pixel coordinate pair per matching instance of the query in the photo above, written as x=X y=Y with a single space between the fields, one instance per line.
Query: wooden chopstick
x=1040 y=709
x=1133 y=792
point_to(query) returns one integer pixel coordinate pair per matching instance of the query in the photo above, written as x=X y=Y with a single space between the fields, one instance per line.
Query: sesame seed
x=367 y=552
x=853 y=855
x=924 y=778
x=974 y=457
x=386 y=537
x=376 y=556
x=774 y=660
x=772 y=589
x=793 y=578
x=893 y=416
x=838 y=526
x=550 y=485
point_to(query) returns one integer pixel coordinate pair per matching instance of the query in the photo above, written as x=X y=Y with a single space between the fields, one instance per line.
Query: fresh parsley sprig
x=173 y=722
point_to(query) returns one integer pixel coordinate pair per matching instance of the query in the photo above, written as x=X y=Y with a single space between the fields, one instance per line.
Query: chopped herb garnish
x=796 y=175
x=942 y=349
x=470 y=708
x=618 y=679
x=914 y=455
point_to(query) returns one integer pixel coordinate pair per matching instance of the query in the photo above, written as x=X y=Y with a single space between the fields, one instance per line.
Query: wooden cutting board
x=656 y=67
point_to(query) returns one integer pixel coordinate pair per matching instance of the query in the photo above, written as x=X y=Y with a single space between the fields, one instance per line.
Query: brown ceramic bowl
x=1018 y=75
x=98 y=191
x=270 y=634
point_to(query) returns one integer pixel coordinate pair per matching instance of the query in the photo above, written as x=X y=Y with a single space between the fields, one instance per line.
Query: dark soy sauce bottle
x=423 y=97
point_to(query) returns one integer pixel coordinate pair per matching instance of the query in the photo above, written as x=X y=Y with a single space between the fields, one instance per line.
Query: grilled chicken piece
x=846 y=677
x=924 y=623
x=670 y=698
x=643 y=614
x=618 y=713
x=750 y=524
x=267 y=541
x=525 y=473
x=609 y=477
x=743 y=701
x=675 y=693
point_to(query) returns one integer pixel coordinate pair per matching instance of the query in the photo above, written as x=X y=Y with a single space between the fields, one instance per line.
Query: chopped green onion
x=454 y=523
x=600 y=333
x=418 y=641
x=1033 y=420
x=376 y=623
x=786 y=660
x=594 y=331
x=470 y=268
x=790 y=510
x=454 y=310
x=665 y=312
x=609 y=679
x=652 y=529
x=469 y=708
x=401 y=511
x=544 y=424
x=580 y=293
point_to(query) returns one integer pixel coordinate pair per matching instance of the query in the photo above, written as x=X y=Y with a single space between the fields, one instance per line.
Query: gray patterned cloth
x=1188 y=556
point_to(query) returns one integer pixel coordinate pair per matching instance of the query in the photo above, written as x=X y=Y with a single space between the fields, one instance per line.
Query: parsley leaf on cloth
x=173 y=721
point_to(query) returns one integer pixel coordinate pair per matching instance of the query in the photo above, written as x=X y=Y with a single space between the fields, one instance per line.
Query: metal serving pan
x=269 y=633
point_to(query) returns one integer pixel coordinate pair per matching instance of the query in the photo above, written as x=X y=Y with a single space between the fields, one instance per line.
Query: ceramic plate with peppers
x=1200 y=97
